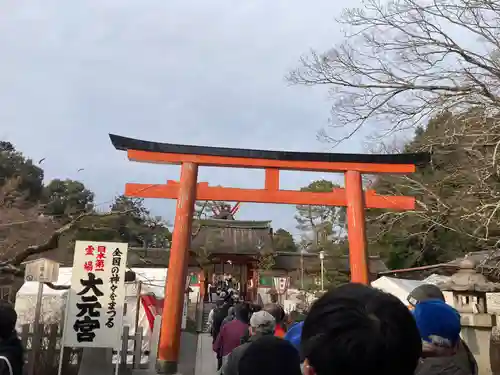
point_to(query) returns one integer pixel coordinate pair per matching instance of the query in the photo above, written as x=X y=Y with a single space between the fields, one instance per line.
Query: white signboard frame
x=95 y=302
x=41 y=270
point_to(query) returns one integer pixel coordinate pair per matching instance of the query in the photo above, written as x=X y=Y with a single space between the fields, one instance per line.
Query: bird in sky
x=81 y=169
x=41 y=161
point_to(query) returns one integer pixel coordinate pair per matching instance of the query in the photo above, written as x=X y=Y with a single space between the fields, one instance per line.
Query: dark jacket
x=12 y=349
x=229 y=337
x=462 y=363
x=220 y=314
x=230 y=366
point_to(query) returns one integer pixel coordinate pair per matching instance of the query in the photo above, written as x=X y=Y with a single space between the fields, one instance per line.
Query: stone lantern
x=469 y=290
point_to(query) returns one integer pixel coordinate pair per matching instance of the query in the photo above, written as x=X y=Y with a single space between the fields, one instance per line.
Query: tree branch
x=13 y=265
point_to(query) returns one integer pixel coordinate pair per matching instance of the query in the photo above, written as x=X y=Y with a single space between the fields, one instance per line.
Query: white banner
x=94 y=313
x=281 y=284
x=185 y=312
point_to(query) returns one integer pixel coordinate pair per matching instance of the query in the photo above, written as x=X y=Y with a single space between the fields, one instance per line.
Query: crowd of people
x=352 y=329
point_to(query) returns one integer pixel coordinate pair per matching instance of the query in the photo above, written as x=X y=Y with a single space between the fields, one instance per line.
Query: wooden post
x=138 y=304
x=358 y=256
x=170 y=335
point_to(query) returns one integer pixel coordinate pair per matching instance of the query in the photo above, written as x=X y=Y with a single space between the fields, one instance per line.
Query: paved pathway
x=206 y=363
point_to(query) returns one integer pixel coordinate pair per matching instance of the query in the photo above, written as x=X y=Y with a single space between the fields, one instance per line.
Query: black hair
x=8 y=319
x=357 y=330
x=242 y=312
x=254 y=308
x=270 y=355
x=276 y=311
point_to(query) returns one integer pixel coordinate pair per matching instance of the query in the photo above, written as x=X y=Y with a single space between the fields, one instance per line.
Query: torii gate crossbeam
x=188 y=190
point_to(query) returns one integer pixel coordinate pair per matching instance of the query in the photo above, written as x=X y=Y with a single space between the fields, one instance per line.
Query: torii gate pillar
x=168 y=348
x=188 y=190
x=356 y=232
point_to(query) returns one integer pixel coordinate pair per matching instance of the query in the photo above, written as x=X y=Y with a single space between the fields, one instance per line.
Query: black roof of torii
x=124 y=143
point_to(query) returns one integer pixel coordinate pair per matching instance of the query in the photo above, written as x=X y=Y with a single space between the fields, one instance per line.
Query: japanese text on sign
x=95 y=306
x=114 y=280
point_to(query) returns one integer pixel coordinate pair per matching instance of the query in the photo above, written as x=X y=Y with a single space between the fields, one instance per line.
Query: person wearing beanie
x=427 y=292
x=439 y=327
x=261 y=324
x=294 y=333
x=270 y=355
x=11 y=349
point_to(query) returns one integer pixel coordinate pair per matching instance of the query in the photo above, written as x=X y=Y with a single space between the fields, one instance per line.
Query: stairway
x=207 y=306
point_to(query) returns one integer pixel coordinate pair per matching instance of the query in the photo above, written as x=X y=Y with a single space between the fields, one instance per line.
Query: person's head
x=254 y=308
x=242 y=312
x=294 y=334
x=424 y=292
x=439 y=327
x=276 y=311
x=8 y=319
x=262 y=323
x=269 y=355
x=357 y=330
x=219 y=303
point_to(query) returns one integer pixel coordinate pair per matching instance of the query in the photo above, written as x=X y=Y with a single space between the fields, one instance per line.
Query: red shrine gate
x=188 y=190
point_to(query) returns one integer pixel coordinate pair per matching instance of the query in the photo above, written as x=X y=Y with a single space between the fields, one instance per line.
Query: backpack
x=9 y=366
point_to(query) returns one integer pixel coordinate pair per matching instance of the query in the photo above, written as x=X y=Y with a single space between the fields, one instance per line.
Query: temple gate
x=188 y=190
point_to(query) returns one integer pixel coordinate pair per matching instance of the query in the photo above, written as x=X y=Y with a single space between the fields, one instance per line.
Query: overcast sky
x=179 y=71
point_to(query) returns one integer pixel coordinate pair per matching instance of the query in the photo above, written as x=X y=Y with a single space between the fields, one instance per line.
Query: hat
x=263 y=322
x=425 y=292
x=294 y=333
x=438 y=323
x=270 y=355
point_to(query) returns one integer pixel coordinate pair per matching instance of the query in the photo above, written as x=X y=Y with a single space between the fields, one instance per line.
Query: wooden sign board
x=41 y=270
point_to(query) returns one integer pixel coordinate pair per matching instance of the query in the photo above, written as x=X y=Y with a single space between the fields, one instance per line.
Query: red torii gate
x=188 y=190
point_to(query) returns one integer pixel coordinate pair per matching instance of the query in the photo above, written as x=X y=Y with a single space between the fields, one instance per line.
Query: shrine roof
x=232 y=236
x=124 y=144
x=236 y=224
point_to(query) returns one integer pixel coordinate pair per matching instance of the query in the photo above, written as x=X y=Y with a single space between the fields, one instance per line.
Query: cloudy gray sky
x=178 y=71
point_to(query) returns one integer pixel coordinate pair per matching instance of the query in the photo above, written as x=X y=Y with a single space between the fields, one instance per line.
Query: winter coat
x=227 y=319
x=229 y=337
x=231 y=361
x=220 y=314
x=13 y=351
x=461 y=363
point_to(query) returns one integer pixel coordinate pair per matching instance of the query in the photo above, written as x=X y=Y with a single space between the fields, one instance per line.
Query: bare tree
x=431 y=66
x=26 y=232
x=457 y=196
x=407 y=60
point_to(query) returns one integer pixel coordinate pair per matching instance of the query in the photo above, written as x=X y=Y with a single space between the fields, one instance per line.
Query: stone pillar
x=469 y=290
